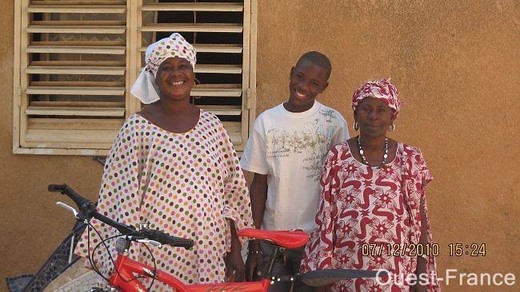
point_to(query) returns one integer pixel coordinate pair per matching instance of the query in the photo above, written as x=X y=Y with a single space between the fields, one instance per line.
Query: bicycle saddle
x=283 y=238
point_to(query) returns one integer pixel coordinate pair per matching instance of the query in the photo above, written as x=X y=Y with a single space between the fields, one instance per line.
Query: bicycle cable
x=90 y=255
x=103 y=243
x=152 y=257
x=154 y=266
x=94 y=252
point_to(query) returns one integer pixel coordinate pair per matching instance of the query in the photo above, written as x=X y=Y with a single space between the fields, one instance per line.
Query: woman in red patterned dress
x=372 y=213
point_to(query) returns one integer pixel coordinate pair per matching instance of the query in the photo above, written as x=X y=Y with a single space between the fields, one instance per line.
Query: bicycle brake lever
x=65 y=206
x=149 y=241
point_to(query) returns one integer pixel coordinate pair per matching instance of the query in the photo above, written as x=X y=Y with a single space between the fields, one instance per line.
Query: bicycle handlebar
x=87 y=209
x=66 y=190
x=167 y=239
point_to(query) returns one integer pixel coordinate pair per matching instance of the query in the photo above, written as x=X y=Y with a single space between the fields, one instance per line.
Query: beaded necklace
x=361 y=152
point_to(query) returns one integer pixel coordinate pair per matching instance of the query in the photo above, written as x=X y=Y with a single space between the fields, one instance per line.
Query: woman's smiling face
x=175 y=78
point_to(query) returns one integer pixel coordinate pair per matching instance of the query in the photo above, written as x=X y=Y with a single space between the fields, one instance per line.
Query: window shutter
x=72 y=70
x=75 y=61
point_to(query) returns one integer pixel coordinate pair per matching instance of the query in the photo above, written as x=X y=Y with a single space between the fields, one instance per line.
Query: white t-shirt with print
x=290 y=148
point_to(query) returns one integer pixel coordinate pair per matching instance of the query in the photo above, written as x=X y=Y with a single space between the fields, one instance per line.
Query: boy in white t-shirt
x=285 y=152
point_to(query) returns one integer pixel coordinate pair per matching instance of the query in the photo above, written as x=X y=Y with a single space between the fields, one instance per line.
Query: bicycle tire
x=329 y=276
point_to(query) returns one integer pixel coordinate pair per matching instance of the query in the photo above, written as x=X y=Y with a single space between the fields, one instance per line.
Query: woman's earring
x=391 y=128
x=355 y=126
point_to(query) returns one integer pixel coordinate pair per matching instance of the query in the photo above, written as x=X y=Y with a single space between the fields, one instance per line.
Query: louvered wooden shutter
x=79 y=58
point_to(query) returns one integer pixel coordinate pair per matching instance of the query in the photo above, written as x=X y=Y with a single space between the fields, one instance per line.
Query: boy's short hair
x=318 y=59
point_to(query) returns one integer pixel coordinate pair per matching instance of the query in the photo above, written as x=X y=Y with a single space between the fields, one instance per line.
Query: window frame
x=133 y=64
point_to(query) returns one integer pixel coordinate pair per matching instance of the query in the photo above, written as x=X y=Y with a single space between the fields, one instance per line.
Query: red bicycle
x=127 y=271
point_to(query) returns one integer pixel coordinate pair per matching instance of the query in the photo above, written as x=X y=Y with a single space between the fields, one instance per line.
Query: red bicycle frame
x=126 y=269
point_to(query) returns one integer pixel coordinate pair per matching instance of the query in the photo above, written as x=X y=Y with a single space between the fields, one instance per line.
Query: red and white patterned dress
x=363 y=205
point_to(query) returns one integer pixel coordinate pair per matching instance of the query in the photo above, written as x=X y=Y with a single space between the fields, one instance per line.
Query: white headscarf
x=173 y=46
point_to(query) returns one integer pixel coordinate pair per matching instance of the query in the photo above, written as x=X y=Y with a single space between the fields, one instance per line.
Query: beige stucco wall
x=456 y=64
x=31 y=225
x=457 y=67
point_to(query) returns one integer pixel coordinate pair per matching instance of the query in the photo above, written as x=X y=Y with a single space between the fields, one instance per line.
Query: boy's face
x=306 y=82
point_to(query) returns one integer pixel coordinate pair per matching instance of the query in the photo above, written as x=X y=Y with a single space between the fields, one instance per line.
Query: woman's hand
x=327 y=288
x=234 y=266
x=418 y=288
x=422 y=262
x=233 y=259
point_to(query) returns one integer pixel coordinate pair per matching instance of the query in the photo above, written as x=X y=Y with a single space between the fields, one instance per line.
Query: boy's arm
x=258 y=194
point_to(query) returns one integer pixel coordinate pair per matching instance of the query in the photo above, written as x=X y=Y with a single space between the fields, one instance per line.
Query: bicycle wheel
x=326 y=277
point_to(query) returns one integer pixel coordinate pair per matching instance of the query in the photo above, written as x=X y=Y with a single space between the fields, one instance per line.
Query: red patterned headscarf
x=381 y=89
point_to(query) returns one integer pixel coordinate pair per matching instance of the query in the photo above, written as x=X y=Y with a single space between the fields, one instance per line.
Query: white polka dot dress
x=185 y=184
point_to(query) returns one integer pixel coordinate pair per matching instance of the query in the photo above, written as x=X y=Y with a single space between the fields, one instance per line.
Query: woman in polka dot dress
x=174 y=167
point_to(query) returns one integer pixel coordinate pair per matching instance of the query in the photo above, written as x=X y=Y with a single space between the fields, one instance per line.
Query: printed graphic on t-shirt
x=312 y=141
